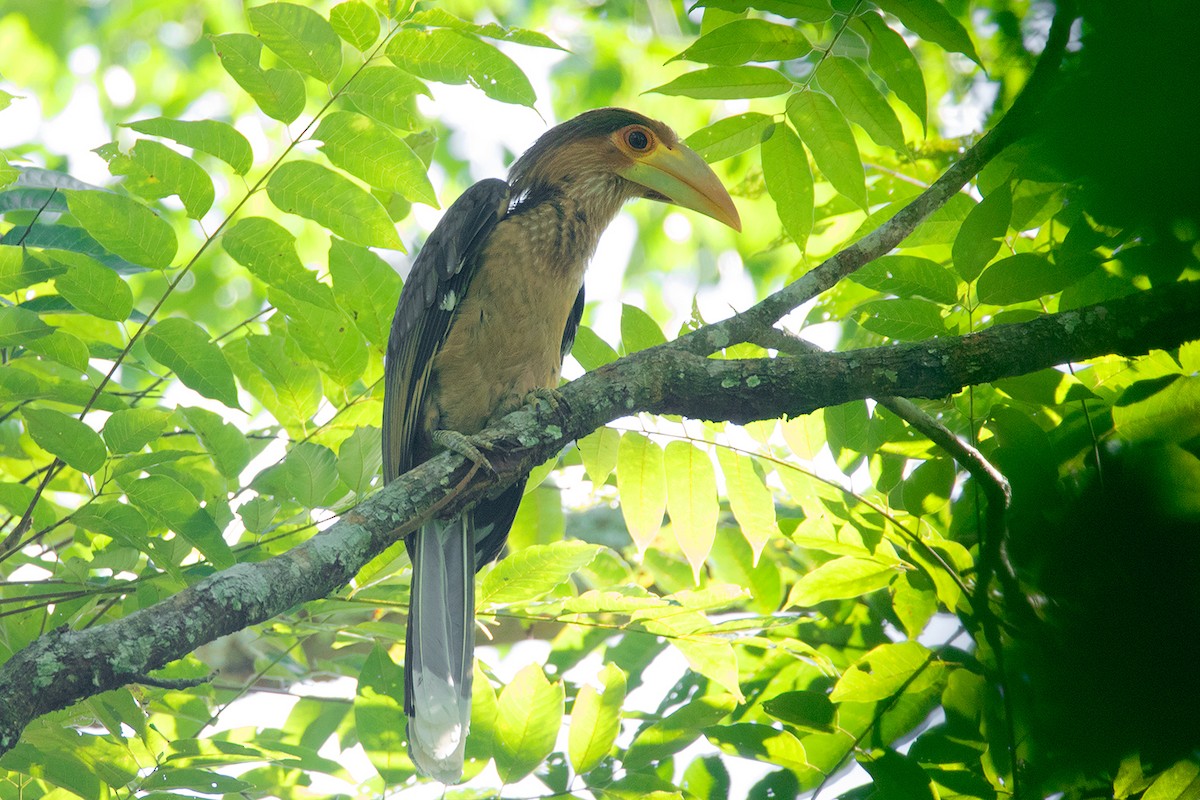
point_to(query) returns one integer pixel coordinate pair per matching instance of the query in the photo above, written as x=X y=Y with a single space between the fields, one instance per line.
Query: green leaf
x=730 y=136
x=678 y=730
x=300 y=36
x=93 y=288
x=1174 y=783
x=131 y=429
x=909 y=276
x=163 y=499
x=842 y=578
x=744 y=40
x=355 y=22
x=642 y=485
x=861 y=102
x=62 y=347
x=119 y=521
x=258 y=514
x=1172 y=414
x=883 y=672
x=449 y=56
x=896 y=775
x=807 y=10
x=598 y=451
x=183 y=347
x=359 y=458
x=229 y=448
x=159 y=171
x=218 y=139
x=289 y=387
x=527 y=723
x=327 y=198
x=982 y=233
x=727 y=83
x=311 y=473
x=639 y=330
x=789 y=182
x=590 y=350
x=366 y=287
x=65 y=437
x=811 y=710
x=20 y=268
x=903 y=320
x=268 y=250
x=1027 y=276
x=763 y=743
x=278 y=92
x=823 y=128
x=596 y=720
x=125 y=227
x=439 y=17
x=20 y=325
x=891 y=58
x=752 y=503
x=930 y=20
x=379 y=716
x=691 y=501
x=327 y=337
x=533 y=571
x=386 y=93
x=369 y=151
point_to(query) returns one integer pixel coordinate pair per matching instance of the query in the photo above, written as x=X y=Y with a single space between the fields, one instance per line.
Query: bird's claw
x=463 y=445
x=547 y=395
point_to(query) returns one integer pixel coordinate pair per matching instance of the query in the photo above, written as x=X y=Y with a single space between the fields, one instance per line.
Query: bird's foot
x=463 y=445
x=547 y=395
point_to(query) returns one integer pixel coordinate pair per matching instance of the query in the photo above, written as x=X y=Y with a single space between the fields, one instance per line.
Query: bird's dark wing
x=432 y=294
x=568 y=340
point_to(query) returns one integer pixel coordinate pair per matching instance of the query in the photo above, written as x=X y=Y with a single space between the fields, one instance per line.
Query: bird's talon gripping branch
x=464 y=446
x=487 y=315
x=545 y=394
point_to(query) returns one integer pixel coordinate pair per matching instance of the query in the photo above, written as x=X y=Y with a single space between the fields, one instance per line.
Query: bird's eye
x=637 y=139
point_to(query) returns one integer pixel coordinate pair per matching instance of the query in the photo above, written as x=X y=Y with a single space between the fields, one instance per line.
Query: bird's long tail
x=440 y=647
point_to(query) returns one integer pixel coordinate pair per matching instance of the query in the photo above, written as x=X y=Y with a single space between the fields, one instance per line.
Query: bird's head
x=621 y=151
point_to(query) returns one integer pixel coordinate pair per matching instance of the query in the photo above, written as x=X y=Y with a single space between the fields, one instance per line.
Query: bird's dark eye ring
x=637 y=139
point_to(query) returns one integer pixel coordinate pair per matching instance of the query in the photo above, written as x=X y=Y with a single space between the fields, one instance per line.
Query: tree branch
x=65 y=666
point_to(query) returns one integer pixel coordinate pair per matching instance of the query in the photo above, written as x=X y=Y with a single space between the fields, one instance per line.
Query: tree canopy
x=894 y=494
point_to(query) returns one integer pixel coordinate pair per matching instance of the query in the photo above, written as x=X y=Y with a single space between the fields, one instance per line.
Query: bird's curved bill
x=680 y=176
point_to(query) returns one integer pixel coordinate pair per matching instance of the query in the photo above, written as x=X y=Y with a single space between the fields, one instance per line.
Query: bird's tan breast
x=507 y=336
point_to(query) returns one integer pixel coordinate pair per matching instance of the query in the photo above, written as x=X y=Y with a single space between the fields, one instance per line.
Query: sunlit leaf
x=598 y=451
x=642 y=483
x=845 y=577
x=125 y=227
x=386 y=94
x=311 y=473
x=638 y=330
x=751 y=501
x=162 y=172
x=678 y=730
x=904 y=320
x=63 y=347
x=730 y=136
x=183 y=347
x=891 y=58
x=359 y=458
x=789 y=182
x=300 y=36
x=131 y=429
x=528 y=718
x=94 y=288
x=590 y=350
x=379 y=716
x=1026 y=276
x=746 y=40
x=909 y=276
x=278 y=92
x=727 y=83
x=208 y=136
x=823 y=128
x=441 y=18
x=763 y=743
x=228 y=445
x=20 y=325
x=268 y=250
x=930 y=20
x=452 y=57
x=66 y=437
x=369 y=151
x=807 y=10
x=533 y=571
x=596 y=720
x=883 y=672
x=691 y=501
x=861 y=102
x=327 y=198
x=355 y=22
x=163 y=499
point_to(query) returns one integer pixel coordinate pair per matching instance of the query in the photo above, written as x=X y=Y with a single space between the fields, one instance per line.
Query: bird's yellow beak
x=678 y=175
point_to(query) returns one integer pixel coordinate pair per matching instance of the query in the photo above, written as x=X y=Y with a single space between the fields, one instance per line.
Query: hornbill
x=486 y=317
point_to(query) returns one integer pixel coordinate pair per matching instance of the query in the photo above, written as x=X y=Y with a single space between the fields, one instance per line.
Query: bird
x=486 y=316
